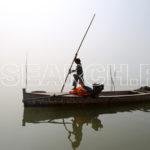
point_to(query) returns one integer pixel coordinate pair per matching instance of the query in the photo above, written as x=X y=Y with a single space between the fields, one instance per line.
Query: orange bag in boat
x=81 y=91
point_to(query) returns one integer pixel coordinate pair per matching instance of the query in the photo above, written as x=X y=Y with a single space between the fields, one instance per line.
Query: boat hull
x=49 y=99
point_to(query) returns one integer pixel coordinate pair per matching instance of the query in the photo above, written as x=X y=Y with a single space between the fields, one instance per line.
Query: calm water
x=110 y=127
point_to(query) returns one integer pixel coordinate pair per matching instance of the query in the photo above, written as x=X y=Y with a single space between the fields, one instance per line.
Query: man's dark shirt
x=79 y=69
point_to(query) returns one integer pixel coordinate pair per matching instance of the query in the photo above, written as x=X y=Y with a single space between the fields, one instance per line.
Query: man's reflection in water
x=77 y=125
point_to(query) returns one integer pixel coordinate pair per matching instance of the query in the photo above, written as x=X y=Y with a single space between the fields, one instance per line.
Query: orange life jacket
x=81 y=91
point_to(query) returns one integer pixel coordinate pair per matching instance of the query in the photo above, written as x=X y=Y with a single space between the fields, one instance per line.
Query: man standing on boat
x=79 y=74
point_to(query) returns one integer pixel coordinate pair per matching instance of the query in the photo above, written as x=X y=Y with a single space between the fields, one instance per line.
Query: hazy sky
x=51 y=30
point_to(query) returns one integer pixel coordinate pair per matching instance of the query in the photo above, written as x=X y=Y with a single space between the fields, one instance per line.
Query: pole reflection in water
x=77 y=116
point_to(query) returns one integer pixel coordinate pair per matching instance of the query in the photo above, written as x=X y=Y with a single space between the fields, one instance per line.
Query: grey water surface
x=121 y=127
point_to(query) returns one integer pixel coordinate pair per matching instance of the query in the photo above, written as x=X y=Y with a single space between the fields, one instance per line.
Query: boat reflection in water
x=77 y=116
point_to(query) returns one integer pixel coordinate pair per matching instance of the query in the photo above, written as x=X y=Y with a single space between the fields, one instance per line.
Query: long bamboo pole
x=77 y=52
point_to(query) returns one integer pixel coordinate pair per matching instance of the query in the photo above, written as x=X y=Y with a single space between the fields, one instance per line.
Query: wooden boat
x=107 y=97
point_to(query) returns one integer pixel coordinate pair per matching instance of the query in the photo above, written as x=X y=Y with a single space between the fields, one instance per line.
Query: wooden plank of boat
x=106 y=97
